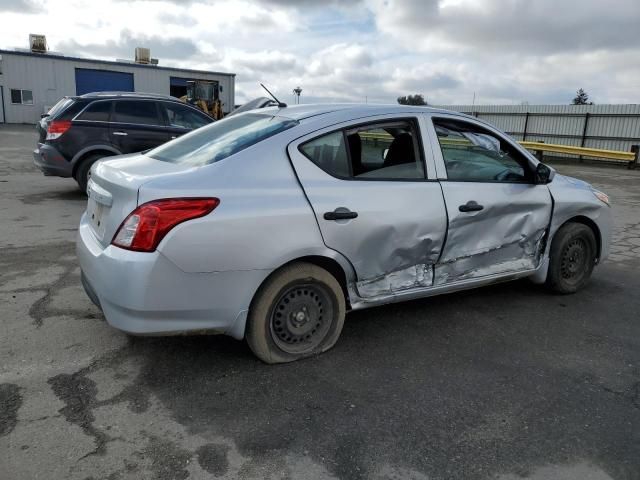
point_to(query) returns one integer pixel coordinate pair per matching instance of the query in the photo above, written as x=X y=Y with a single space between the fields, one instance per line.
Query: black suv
x=77 y=131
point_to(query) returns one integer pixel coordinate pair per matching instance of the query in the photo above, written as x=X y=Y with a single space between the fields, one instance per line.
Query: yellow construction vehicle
x=204 y=95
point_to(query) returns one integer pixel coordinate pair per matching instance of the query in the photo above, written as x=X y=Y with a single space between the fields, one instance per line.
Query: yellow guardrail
x=377 y=136
x=582 y=151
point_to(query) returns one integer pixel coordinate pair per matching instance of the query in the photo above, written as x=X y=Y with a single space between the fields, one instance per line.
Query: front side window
x=221 y=139
x=383 y=151
x=97 y=112
x=137 y=112
x=180 y=116
x=23 y=97
x=473 y=154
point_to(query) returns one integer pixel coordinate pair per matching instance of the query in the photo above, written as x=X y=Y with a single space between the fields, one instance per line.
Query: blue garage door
x=88 y=81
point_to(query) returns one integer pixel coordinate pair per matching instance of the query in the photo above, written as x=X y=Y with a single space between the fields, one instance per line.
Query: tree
x=416 y=99
x=582 y=98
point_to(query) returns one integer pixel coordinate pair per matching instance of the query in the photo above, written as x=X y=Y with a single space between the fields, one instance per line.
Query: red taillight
x=57 y=128
x=147 y=225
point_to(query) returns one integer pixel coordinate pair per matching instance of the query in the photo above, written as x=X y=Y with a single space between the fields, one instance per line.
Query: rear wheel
x=572 y=258
x=83 y=172
x=297 y=313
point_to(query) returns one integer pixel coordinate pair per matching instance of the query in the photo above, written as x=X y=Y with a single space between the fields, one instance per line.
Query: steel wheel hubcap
x=573 y=259
x=301 y=318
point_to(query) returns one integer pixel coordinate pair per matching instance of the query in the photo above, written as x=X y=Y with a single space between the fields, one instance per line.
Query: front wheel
x=572 y=258
x=297 y=313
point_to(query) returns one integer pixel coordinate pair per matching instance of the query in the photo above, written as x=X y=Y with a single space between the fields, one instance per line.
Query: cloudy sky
x=506 y=51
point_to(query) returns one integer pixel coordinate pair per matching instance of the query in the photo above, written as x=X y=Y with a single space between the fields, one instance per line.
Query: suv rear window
x=221 y=139
x=136 y=111
x=63 y=103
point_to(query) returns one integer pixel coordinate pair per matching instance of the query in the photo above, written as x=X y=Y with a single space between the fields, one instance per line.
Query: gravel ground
x=505 y=382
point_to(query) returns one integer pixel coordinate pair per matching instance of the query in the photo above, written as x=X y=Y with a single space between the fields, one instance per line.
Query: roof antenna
x=280 y=104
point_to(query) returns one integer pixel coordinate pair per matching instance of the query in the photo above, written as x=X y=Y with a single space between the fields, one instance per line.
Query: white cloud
x=503 y=50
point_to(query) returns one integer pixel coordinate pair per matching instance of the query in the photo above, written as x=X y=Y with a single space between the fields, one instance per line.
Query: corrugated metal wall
x=612 y=127
x=53 y=78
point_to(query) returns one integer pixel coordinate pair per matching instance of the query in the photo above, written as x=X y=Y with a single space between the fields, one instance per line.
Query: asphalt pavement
x=505 y=382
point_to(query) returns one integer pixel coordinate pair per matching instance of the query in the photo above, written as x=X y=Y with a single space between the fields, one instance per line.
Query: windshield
x=221 y=139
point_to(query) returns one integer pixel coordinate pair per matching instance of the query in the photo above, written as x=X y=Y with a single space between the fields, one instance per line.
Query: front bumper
x=51 y=162
x=147 y=294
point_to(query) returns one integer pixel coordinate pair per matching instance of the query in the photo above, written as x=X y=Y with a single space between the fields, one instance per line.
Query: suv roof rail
x=128 y=94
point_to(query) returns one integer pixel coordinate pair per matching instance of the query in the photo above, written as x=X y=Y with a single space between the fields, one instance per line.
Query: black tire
x=572 y=258
x=298 y=312
x=82 y=171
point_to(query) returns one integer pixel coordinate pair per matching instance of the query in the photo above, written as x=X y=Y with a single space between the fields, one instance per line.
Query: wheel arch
x=94 y=149
x=337 y=266
x=592 y=225
x=332 y=266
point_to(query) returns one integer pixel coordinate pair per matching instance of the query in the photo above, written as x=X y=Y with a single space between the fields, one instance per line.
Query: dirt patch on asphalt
x=10 y=403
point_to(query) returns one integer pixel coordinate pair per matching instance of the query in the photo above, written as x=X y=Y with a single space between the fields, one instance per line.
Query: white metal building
x=32 y=82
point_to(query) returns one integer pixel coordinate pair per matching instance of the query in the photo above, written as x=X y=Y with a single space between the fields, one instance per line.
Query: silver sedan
x=271 y=225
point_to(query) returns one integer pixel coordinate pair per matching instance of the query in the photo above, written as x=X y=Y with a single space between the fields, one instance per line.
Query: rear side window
x=380 y=151
x=135 y=111
x=221 y=139
x=97 y=112
x=329 y=152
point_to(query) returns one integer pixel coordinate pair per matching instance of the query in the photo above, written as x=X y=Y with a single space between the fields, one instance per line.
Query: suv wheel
x=83 y=172
x=298 y=312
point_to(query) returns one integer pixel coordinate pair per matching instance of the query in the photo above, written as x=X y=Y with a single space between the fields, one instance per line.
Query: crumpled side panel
x=513 y=257
x=416 y=276
x=505 y=236
x=392 y=247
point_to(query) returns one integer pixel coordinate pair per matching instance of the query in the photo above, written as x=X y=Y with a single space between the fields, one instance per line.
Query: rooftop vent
x=37 y=43
x=143 y=55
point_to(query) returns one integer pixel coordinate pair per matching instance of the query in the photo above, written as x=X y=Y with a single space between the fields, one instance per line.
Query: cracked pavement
x=507 y=382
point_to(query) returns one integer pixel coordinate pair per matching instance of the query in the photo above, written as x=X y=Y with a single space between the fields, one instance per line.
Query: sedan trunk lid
x=113 y=190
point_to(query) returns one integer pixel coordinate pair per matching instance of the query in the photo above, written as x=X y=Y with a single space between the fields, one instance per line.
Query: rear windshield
x=60 y=106
x=221 y=139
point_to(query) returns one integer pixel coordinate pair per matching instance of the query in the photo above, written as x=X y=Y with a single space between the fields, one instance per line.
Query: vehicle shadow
x=71 y=194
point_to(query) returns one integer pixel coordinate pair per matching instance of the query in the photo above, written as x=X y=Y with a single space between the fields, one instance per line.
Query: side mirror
x=544 y=174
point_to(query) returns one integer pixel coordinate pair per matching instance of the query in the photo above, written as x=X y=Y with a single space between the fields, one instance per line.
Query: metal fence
x=610 y=127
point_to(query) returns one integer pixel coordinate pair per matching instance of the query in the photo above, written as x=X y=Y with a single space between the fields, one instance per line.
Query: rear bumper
x=146 y=294
x=51 y=162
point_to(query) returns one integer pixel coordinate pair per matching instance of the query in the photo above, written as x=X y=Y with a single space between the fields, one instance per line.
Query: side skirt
x=358 y=303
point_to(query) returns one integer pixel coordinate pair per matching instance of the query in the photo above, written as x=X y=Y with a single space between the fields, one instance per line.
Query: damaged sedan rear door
x=368 y=186
x=498 y=215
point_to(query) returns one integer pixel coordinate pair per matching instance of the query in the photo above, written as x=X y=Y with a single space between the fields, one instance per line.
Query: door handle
x=340 y=214
x=123 y=134
x=470 y=206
